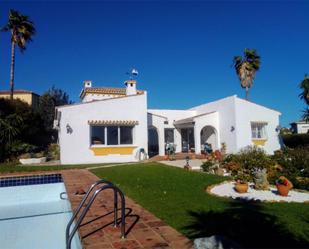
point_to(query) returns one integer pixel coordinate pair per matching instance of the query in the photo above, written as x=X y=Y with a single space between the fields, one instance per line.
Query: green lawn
x=13 y=167
x=178 y=197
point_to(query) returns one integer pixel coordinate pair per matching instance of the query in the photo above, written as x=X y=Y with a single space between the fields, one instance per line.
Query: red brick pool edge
x=144 y=230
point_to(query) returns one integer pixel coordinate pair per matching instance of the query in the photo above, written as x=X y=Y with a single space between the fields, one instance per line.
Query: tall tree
x=22 y=30
x=304 y=95
x=46 y=110
x=59 y=96
x=47 y=103
x=246 y=68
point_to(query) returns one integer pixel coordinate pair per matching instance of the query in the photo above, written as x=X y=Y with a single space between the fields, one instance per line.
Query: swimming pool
x=34 y=212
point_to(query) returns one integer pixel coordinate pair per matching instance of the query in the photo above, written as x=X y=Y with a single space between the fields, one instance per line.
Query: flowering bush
x=294 y=164
x=242 y=176
x=284 y=181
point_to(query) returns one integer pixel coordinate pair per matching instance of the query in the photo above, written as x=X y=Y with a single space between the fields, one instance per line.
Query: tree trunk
x=12 y=70
x=247 y=93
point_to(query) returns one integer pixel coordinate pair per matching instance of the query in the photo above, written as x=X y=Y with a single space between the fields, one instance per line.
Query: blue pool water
x=32 y=214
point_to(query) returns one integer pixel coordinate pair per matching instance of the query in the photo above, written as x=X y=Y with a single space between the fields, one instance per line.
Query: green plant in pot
x=241 y=181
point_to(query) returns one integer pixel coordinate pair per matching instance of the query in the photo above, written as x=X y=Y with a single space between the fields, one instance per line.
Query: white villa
x=115 y=125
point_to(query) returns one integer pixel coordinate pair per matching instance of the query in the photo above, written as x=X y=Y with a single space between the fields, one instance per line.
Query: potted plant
x=241 y=182
x=283 y=186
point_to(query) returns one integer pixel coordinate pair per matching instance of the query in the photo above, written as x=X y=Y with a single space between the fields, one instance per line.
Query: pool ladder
x=105 y=185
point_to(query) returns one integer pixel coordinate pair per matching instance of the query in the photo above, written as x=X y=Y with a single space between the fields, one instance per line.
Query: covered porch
x=190 y=136
x=197 y=136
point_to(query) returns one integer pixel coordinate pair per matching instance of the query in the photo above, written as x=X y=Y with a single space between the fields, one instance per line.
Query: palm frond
x=305 y=115
x=304 y=86
x=21 y=27
x=247 y=66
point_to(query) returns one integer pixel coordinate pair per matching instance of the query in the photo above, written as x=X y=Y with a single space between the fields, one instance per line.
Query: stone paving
x=194 y=163
x=143 y=229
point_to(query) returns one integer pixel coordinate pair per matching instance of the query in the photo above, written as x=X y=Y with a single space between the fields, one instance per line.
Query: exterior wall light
x=232 y=128
x=69 y=129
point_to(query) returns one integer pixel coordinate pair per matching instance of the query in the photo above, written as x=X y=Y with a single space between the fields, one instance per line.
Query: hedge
x=296 y=140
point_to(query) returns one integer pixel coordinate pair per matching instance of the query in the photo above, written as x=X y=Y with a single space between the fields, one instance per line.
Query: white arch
x=156 y=143
x=209 y=134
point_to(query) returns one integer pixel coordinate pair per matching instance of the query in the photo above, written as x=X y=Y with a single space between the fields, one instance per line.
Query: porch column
x=197 y=139
x=177 y=140
x=161 y=141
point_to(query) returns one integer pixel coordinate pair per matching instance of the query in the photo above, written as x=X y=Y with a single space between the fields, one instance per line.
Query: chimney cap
x=87 y=83
x=130 y=82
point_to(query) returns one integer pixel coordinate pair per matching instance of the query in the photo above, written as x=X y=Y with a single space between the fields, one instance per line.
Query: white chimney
x=87 y=83
x=130 y=87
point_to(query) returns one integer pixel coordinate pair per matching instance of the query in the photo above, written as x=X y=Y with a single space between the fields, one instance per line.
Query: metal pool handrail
x=83 y=202
x=108 y=185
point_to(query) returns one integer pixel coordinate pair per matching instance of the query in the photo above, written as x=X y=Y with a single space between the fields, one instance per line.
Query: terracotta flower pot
x=241 y=187
x=283 y=189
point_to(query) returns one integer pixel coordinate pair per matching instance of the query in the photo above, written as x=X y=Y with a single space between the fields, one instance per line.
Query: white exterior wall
x=225 y=120
x=302 y=128
x=247 y=112
x=75 y=147
x=173 y=115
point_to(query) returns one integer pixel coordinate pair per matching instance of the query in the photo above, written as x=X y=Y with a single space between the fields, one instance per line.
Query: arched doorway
x=153 y=142
x=209 y=136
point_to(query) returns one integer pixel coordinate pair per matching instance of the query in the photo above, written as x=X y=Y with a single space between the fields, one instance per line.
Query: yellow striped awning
x=113 y=122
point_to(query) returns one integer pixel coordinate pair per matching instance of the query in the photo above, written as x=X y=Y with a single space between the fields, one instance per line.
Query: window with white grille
x=258 y=130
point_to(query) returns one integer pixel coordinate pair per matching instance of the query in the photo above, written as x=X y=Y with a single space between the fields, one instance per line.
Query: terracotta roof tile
x=113 y=122
x=106 y=90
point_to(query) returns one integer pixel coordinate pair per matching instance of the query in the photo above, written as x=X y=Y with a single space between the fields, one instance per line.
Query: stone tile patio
x=143 y=229
x=194 y=163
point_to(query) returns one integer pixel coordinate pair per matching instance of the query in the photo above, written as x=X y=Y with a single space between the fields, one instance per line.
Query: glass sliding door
x=187 y=139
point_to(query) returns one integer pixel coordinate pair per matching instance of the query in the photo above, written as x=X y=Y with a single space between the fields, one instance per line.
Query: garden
x=27 y=133
x=179 y=198
x=289 y=167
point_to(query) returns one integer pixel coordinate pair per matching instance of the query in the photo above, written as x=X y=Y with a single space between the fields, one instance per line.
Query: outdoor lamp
x=187 y=160
x=69 y=129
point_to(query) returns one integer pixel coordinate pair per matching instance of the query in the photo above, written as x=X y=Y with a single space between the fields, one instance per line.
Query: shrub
x=39 y=154
x=20 y=128
x=250 y=159
x=18 y=147
x=53 y=152
x=208 y=165
x=25 y=156
x=294 y=163
x=295 y=140
x=242 y=176
x=231 y=166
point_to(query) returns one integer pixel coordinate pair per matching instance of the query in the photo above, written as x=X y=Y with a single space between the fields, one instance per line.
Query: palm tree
x=10 y=127
x=22 y=29
x=304 y=86
x=304 y=95
x=305 y=115
x=246 y=68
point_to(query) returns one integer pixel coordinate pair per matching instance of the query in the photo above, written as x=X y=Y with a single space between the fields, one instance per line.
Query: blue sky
x=183 y=50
